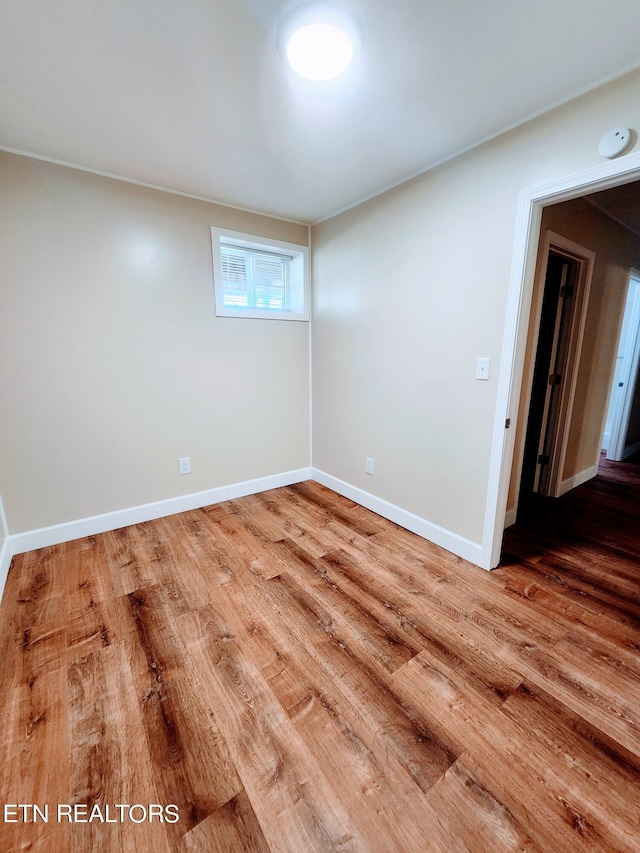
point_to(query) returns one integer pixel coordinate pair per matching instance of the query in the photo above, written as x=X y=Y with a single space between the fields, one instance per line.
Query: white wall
x=410 y=288
x=112 y=361
x=112 y=364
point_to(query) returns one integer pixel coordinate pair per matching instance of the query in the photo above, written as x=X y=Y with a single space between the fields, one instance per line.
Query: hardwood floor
x=294 y=673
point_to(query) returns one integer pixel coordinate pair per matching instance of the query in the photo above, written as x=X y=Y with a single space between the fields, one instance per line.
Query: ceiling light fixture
x=319 y=51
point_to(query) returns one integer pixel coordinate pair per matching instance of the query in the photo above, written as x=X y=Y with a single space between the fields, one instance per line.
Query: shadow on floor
x=603 y=514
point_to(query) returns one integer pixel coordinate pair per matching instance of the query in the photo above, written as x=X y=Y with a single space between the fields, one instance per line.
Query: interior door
x=626 y=374
x=558 y=308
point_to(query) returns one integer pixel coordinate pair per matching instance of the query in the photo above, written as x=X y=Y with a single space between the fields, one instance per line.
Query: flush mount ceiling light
x=319 y=51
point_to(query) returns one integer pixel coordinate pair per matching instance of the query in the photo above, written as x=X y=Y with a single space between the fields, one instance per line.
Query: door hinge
x=555 y=379
x=544 y=460
x=507 y=423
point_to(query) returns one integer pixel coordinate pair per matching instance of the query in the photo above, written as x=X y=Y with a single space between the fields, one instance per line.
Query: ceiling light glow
x=320 y=51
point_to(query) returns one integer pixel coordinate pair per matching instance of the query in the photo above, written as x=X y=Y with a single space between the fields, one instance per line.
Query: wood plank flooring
x=294 y=673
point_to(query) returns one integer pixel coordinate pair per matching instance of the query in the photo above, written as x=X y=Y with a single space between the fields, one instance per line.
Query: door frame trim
x=527 y=236
x=623 y=411
x=586 y=259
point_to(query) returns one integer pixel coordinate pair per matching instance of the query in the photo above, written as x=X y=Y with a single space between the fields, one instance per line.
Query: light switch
x=482 y=368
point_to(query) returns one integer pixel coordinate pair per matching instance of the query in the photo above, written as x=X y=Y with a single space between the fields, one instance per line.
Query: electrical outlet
x=184 y=465
x=369 y=465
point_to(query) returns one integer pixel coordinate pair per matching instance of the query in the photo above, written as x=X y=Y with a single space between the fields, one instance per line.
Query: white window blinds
x=258 y=278
x=254 y=279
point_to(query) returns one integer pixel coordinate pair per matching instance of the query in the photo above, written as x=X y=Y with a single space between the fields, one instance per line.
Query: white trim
x=102 y=174
x=577 y=480
x=609 y=78
x=458 y=545
x=564 y=487
x=66 y=532
x=57 y=533
x=310 y=339
x=3 y=520
x=527 y=233
x=629 y=451
x=483 y=141
x=6 y=555
x=297 y=254
x=586 y=258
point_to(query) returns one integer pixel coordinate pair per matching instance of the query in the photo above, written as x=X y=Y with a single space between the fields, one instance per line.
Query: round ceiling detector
x=615 y=142
x=320 y=51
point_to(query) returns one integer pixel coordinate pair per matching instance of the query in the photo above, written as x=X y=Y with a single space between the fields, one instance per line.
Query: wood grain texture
x=297 y=674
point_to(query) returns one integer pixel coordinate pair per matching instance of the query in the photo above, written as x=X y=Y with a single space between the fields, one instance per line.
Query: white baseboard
x=565 y=486
x=18 y=543
x=458 y=545
x=5 y=551
x=629 y=451
x=577 y=480
x=510 y=517
x=6 y=555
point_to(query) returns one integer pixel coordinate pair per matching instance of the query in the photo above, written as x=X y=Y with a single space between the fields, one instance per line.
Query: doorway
x=560 y=315
x=532 y=201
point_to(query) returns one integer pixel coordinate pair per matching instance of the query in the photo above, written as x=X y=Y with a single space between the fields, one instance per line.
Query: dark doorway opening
x=558 y=309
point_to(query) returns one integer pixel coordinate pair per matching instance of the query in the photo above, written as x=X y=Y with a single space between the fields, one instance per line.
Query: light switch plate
x=482 y=368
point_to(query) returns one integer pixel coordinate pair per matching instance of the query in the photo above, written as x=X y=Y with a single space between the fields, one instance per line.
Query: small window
x=257 y=278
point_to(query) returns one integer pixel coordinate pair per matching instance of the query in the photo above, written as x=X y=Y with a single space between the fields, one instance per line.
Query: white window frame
x=299 y=274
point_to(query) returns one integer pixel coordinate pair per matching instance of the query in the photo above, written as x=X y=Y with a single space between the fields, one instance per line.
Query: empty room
x=319 y=426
